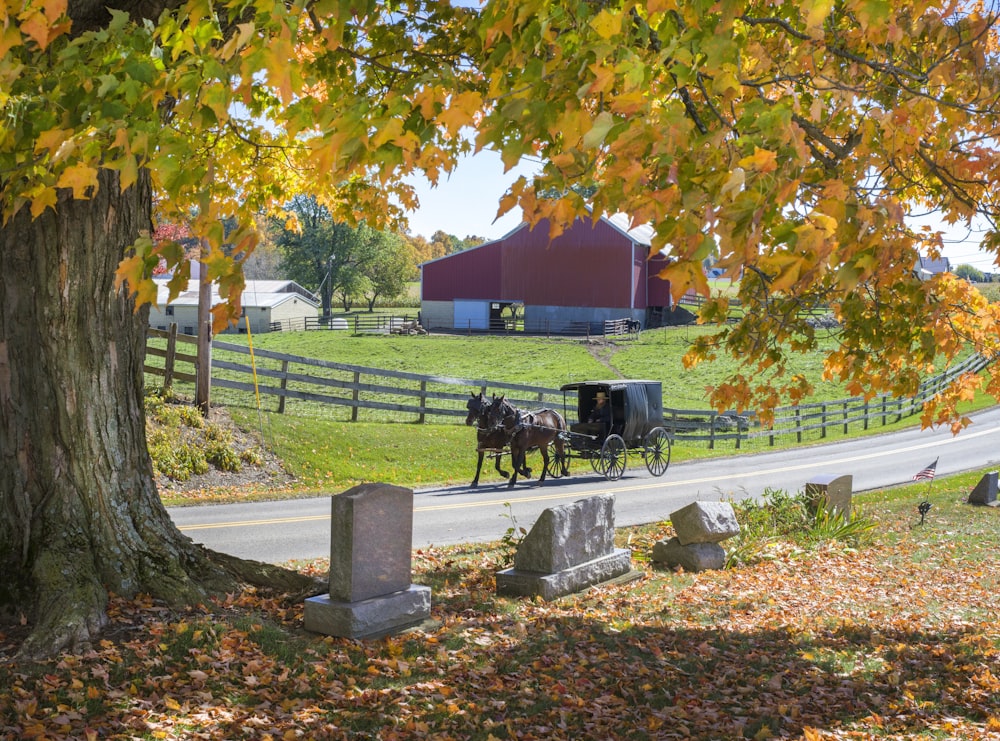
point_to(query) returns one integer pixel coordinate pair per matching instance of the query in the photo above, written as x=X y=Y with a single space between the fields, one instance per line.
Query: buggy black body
x=636 y=423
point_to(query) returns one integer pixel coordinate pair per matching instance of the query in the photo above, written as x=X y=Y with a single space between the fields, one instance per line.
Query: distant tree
x=419 y=250
x=969 y=273
x=442 y=243
x=387 y=270
x=305 y=247
x=467 y=242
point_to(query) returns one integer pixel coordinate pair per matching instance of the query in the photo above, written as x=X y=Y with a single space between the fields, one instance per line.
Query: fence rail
x=358 y=323
x=309 y=386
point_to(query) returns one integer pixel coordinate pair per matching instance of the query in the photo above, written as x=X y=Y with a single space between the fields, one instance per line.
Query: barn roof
x=642 y=234
x=621 y=222
x=256 y=293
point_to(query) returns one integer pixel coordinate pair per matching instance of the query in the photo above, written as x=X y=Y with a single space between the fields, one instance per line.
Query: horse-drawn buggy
x=614 y=417
x=608 y=419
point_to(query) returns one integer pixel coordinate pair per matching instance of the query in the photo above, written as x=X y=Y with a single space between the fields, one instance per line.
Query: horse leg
x=479 y=467
x=514 y=468
x=561 y=459
x=500 y=470
x=544 y=450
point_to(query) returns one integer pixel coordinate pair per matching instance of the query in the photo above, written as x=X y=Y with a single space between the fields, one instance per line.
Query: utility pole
x=203 y=364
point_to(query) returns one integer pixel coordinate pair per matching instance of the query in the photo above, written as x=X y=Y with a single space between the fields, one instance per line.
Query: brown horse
x=489 y=439
x=527 y=431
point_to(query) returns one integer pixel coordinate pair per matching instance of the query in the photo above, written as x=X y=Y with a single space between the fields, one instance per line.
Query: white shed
x=264 y=302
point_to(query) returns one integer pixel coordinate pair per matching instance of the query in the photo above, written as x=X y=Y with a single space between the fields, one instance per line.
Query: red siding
x=584 y=266
x=658 y=288
x=587 y=266
x=473 y=274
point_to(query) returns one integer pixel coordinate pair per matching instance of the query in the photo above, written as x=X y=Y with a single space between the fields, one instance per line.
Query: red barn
x=590 y=273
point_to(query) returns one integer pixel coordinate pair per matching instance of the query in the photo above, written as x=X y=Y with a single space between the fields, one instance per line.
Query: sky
x=466 y=204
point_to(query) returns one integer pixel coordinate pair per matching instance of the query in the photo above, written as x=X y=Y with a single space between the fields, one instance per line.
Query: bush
x=789 y=518
x=182 y=445
x=173 y=458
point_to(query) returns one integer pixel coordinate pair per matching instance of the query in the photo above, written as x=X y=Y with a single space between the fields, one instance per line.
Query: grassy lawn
x=894 y=636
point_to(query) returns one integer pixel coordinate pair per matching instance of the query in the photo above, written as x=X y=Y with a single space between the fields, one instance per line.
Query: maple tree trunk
x=79 y=511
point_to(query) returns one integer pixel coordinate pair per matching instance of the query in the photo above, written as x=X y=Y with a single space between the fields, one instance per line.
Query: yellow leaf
x=52 y=139
x=81 y=178
x=42 y=199
x=816 y=12
x=734 y=184
x=602 y=125
x=606 y=24
x=762 y=160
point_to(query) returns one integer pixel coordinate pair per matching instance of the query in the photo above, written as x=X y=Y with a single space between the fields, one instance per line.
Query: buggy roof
x=617 y=383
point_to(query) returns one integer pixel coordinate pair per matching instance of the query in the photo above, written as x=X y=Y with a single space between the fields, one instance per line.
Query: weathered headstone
x=568 y=549
x=832 y=491
x=700 y=527
x=705 y=522
x=371 y=540
x=986 y=490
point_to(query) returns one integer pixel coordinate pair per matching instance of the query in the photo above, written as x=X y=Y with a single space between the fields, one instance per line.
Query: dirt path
x=602 y=351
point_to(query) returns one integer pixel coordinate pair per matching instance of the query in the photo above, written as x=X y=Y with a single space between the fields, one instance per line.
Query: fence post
x=845 y=416
x=884 y=411
x=423 y=402
x=866 y=410
x=711 y=431
x=168 y=363
x=355 y=394
x=284 y=385
x=798 y=424
x=822 y=426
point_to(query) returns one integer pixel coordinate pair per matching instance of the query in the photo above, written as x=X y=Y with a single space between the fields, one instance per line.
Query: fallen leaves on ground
x=894 y=641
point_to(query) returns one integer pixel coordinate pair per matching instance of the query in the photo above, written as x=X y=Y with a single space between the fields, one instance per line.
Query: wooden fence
x=358 y=323
x=308 y=386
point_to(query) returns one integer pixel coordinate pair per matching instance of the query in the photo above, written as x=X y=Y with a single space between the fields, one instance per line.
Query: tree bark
x=79 y=511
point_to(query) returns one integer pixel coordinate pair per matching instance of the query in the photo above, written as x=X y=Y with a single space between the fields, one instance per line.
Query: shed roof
x=256 y=293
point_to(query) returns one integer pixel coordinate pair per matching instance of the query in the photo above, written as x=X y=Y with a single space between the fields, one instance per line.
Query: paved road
x=300 y=529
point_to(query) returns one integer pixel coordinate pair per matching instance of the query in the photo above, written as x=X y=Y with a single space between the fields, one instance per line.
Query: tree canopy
x=793 y=142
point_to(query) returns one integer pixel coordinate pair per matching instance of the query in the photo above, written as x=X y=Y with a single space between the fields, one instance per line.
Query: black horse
x=527 y=431
x=489 y=439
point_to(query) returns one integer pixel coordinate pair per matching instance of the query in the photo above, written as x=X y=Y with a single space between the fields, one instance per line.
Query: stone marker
x=986 y=490
x=834 y=491
x=705 y=522
x=700 y=526
x=692 y=557
x=371 y=540
x=569 y=548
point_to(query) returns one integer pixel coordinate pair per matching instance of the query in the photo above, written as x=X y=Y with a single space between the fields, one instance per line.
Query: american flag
x=926 y=474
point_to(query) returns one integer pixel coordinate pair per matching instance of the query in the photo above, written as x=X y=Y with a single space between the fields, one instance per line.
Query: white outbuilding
x=266 y=304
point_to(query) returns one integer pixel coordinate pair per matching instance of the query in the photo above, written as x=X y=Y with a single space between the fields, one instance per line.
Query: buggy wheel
x=612 y=460
x=594 y=456
x=554 y=469
x=657 y=451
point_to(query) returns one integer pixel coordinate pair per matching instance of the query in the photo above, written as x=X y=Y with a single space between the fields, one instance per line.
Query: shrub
x=789 y=518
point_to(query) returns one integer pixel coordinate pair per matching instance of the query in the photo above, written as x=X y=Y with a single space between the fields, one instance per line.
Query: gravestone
x=700 y=527
x=985 y=492
x=705 y=522
x=832 y=491
x=692 y=557
x=371 y=540
x=569 y=548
